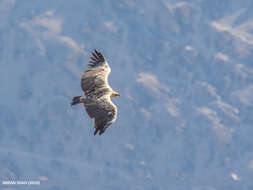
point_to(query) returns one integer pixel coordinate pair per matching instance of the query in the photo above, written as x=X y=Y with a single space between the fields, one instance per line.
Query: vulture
x=97 y=93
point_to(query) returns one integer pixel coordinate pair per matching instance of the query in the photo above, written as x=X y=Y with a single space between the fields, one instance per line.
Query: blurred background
x=185 y=74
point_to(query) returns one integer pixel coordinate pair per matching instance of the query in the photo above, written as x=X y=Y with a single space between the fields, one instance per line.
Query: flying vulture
x=97 y=93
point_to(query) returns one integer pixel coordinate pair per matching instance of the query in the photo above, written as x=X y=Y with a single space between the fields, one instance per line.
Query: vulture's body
x=97 y=93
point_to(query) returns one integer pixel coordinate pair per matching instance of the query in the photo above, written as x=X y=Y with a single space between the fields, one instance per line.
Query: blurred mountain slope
x=185 y=74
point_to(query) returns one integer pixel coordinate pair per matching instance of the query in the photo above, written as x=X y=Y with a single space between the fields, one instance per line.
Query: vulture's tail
x=76 y=100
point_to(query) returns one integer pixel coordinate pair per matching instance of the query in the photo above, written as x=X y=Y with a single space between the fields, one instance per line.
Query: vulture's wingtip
x=96 y=58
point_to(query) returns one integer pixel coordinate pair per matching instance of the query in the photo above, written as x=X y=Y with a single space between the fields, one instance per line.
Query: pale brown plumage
x=97 y=93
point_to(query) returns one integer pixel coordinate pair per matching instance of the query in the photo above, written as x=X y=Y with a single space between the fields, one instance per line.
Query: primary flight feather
x=97 y=93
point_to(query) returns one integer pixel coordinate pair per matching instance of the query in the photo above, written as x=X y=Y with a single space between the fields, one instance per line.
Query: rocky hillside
x=185 y=74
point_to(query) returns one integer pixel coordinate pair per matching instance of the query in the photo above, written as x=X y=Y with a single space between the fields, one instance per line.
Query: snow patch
x=223 y=133
x=222 y=57
x=245 y=95
x=110 y=26
x=150 y=81
x=241 y=31
x=234 y=176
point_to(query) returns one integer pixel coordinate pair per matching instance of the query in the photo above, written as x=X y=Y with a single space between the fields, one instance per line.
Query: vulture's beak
x=115 y=94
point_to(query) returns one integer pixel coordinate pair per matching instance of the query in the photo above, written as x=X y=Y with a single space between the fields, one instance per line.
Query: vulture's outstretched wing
x=104 y=112
x=94 y=80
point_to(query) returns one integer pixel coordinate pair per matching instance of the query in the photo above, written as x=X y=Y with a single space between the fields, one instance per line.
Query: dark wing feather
x=96 y=58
